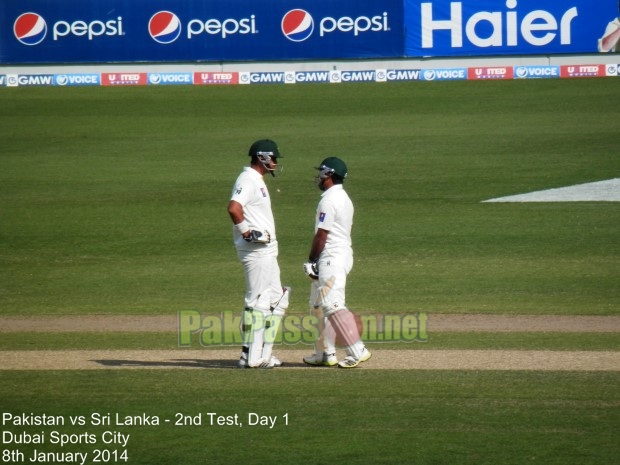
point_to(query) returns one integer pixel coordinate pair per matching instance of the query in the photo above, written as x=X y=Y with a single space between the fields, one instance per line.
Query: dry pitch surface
x=382 y=358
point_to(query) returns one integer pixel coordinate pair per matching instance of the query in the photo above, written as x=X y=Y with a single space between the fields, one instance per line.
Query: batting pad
x=341 y=328
x=254 y=335
x=273 y=321
x=272 y=324
x=322 y=344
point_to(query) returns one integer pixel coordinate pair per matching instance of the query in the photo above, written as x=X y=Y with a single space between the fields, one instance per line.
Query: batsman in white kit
x=329 y=263
x=254 y=236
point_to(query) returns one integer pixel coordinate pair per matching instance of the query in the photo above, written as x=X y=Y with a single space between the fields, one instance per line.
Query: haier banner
x=95 y=31
x=505 y=27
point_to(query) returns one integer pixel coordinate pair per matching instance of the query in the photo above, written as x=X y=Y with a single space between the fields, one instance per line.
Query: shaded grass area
x=423 y=417
x=113 y=199
x=437 y=340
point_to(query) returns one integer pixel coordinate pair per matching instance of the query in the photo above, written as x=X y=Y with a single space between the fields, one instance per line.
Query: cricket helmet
x=332 y=165
x=265 y=150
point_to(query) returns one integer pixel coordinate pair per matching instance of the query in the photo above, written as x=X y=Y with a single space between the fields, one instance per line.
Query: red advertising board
x=498 y=72
x=571 y=71
x=124 y=78
x=203 y=78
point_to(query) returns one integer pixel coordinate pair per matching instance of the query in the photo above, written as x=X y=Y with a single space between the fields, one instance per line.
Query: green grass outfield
x=334 y=416
x=112 y=201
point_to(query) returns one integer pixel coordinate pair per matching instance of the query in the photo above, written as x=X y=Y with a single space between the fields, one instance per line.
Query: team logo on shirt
x=321 y=217
x=263 y=191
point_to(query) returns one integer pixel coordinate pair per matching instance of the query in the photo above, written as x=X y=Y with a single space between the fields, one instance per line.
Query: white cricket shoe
x=274 y=362
x=351 y=362
x=322 y=360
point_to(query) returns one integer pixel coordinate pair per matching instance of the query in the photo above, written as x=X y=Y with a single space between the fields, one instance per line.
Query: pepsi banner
x=491 y=27
x=104 y=31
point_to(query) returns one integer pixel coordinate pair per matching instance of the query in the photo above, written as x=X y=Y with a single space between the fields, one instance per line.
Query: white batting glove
x=312 y=270
x=258 y=237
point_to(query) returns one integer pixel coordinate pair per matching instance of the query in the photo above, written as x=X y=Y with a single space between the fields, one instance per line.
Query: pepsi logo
x=30 y=28
x=297 y=25
x=164 y=27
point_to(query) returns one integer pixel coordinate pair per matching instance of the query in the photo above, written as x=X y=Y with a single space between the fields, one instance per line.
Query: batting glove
x=312 y=270
x=258 y=237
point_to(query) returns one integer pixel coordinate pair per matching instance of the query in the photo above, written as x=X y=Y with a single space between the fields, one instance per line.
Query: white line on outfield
x=388 y=359
x=601 y=191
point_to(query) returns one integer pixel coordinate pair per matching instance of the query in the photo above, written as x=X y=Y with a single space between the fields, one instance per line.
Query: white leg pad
x=254 y=335
x=341 y=329
x=273 y=321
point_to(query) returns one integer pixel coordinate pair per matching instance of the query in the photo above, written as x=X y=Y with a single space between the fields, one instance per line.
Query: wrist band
x=242 y=227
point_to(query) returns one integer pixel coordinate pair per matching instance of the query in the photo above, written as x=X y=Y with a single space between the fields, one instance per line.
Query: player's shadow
x=180 y=363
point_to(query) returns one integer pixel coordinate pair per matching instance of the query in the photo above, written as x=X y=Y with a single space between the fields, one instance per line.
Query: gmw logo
x=298 y=25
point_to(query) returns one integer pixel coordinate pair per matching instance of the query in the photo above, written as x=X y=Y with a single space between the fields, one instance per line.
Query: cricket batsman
x=329 y=263
x=254 y=236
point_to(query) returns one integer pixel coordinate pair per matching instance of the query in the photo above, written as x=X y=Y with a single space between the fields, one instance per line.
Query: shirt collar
x=334 y=188
x=253 y=172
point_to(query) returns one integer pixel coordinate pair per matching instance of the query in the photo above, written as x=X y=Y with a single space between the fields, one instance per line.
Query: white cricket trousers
x=338 y=267
x=263 y=299
x=262 y=277
x=337 y=319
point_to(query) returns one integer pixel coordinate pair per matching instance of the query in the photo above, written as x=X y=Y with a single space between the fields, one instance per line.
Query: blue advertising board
x=139 y=31
x=490 y=27
x=91 y=31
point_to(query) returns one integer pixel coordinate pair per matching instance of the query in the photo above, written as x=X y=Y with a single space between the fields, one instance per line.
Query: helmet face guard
x=331 y=167
x=266 y=159
x=325 y=172
x=266 y=152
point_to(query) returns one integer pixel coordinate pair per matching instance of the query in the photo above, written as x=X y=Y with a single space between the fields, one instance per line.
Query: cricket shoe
x=321 y=360
x=243 y=361
x=351 y=362
x=274 y=362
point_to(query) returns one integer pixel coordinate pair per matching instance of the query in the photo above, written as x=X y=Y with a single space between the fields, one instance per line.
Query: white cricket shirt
x=335 y=214
x=251 y=192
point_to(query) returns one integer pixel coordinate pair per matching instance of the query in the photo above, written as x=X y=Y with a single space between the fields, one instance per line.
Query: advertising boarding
x=490 y=27
x=207 y=31
x=91 y=31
